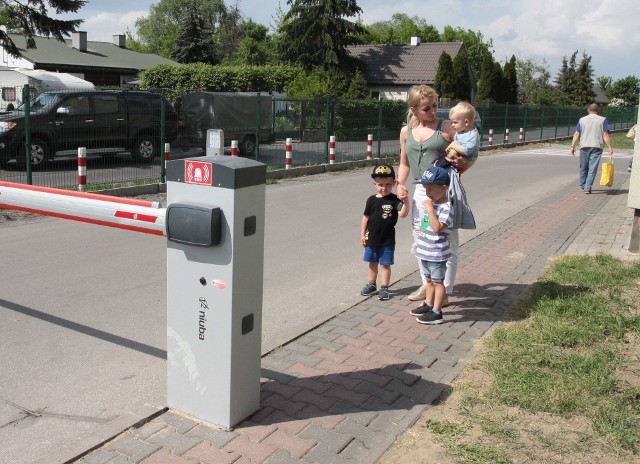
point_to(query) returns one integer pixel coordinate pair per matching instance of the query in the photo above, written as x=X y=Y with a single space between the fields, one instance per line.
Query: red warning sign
x=198 y=172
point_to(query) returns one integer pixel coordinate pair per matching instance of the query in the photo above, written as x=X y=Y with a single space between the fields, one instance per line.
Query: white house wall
x=9 y=61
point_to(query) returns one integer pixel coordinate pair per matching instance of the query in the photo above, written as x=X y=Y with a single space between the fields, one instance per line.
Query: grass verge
x=560 y=382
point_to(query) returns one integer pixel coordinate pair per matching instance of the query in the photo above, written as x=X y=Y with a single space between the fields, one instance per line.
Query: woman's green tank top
x=423 y=155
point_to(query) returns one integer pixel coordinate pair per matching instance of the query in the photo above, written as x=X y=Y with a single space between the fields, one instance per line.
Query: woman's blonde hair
x=415 y=95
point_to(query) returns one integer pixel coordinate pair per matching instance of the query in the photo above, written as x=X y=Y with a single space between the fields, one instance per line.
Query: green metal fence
x=262 y=127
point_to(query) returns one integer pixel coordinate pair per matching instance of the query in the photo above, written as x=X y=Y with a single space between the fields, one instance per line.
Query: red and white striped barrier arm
x=490 y=136
x=369 y=146
x=122 y=213
x=234 y=148
x=521 y=135
x=506 y=136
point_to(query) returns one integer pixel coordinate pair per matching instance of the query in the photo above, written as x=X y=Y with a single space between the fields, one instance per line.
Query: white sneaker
x=419 y=295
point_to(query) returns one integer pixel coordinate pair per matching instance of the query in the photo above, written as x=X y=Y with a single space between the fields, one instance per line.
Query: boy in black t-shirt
x=377 y=231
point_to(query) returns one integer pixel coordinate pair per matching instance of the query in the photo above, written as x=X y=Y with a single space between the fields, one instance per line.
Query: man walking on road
x=592 y=130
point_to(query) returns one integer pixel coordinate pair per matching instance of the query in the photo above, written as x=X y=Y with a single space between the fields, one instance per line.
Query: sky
x=542 y=30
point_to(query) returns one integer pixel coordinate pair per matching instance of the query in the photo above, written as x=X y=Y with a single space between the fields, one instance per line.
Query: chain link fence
x=125 y=132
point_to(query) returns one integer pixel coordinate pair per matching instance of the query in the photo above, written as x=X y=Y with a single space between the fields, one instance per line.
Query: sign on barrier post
x=215 y=142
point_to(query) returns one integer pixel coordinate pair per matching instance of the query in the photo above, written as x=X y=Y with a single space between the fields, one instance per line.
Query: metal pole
x=162 y=135
x=327 y=111
x=257 y=125
x=379 y=128
x=26 y=102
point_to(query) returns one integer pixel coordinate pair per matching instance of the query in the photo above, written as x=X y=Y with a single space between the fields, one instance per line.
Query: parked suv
x=105 y=122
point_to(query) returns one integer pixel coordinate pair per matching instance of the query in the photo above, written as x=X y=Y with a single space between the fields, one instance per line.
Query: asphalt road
x=82 y=308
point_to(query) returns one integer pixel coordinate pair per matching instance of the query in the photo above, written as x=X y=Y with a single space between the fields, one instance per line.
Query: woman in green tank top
x=423 y=140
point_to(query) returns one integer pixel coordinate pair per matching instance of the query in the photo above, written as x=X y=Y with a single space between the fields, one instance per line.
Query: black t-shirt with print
x=383 y=216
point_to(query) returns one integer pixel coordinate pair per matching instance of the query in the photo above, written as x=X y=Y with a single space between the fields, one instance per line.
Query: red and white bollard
x=369 y=146
x=234 y=148
x=82 y=168
x=521 y=139
x=490 y=137
x=167 y=156
x=287 y=147
x=332 y=149
x=506 y=136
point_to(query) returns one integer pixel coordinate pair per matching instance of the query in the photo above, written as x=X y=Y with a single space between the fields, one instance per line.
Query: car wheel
x=248 y=146
x=145 y=149
x=39 y=154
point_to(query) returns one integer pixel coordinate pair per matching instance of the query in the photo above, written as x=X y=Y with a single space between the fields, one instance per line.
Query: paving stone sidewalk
x=345 y=391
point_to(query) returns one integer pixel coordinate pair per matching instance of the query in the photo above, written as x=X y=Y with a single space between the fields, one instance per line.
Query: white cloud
x=102 y=25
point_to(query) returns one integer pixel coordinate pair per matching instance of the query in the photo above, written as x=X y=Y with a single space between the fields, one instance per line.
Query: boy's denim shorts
x=436 y=270
x=382 y=254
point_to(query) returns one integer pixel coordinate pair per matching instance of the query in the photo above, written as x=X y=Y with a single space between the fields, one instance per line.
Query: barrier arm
x=122 y=213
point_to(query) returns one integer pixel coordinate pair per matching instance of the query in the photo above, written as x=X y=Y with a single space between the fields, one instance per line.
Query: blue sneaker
x=368 y=289
x=383 y=294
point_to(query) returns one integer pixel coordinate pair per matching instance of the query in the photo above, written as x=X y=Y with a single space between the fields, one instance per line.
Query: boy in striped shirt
x=433 y=247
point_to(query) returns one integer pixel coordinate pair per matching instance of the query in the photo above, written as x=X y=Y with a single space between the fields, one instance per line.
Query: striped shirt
x=431 y=246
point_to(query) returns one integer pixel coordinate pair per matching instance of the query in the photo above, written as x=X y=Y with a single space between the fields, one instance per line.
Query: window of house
x=375 y=95
x=9 y=94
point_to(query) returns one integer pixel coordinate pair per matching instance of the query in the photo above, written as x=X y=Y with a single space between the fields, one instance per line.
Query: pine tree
x=316 y=33
x=358 y=88
x=584 y=82
x=488 y=81
x=31 y=19
x=461 y=70
x=445 y=81
x=192 y=42
x=511 y=81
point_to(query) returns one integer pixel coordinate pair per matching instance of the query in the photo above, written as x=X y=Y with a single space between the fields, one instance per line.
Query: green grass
x=562 y=358
x=619 y=141
x=562 y=355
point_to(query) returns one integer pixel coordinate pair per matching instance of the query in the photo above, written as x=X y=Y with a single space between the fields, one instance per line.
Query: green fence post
x=163 y=118
x=26 y=97
x=327 y=112
x=524 y=124
x=506 y=119
x=557 y=120
x=482 y=122
x=542 y=122
x=379 y=128
x=257 y=125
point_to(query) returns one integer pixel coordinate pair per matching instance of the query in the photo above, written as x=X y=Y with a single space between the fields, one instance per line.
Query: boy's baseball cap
x=383 y=170
x=434 y=175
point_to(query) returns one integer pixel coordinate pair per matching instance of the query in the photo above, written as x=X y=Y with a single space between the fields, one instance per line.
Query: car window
x=106 y=104
x=77 y=105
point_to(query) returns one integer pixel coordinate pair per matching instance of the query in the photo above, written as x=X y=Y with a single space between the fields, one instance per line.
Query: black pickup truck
x=105 y=122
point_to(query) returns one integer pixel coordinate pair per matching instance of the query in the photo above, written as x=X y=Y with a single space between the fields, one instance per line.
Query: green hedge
x=219 y=78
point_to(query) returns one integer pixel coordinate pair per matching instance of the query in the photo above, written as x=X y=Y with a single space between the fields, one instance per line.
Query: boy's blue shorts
x=436 y=270
x=382 y=254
